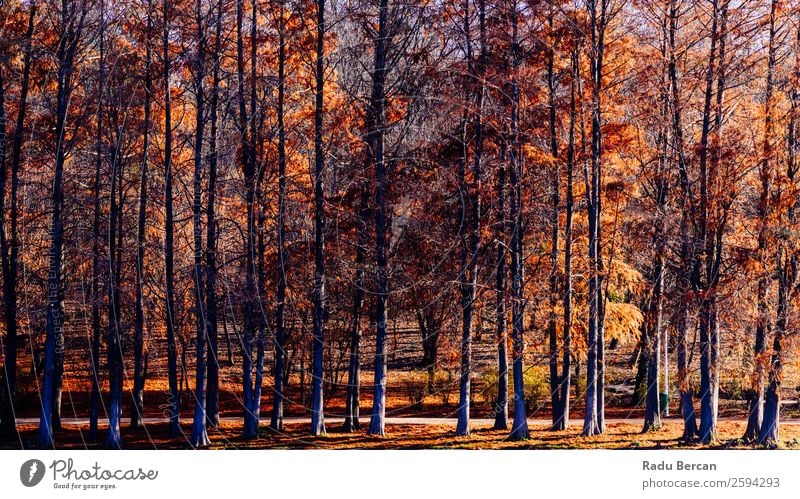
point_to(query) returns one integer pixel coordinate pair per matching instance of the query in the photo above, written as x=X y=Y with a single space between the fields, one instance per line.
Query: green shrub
x=733 y=388
x=445 y=383
x=535 y=382
x=417 y=387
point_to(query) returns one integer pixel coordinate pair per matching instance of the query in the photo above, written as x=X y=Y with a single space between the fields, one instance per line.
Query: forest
x=385 y=223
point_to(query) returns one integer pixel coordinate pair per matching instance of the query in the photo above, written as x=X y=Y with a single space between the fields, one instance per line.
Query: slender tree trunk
x=212 y=397
x=174 y=401
x=377 y=425
x=653 y=323
x=248 y=171
x=72 y=22
x=787 y=272
x=139 y=322
x=562 y=422
x=472 y=191
x=519 y=429
x=652 y=417
x=317 y=418
x=352 y=403
x=114 y=343
x=594 y=416
x=95 y=347
x=761 y=357
x=707 y=303
x=199 y=436
x=501 y=405
x=555 y=216
x=254 y=327
x=686 y=253
x=769 y=432
x=280 y=326
x=9 y=240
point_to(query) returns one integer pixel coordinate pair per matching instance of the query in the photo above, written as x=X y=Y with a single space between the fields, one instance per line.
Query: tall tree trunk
x=555 y=216
x=254 y=320
x=501 y=404
x=707 y=311
x=114 y=343
x=562 y=421
x=199 y=436
x=174 y=401
x=761 y=358
x=686 y=253
x=470 y=281
x=653 y=324
x=653 y=327
x=352 y=401
x=71 y=25
x=212 y=384
x=787 y=278
x=377 y=425
x=94 y=409
x=139 y=321
x=248 y=171
x=317 y=406
x=594 y=416
x=9 y=240
x=280 y=297
x=519 y=429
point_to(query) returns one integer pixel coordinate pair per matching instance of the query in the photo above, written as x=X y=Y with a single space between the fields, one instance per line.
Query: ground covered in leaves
x=619 y=435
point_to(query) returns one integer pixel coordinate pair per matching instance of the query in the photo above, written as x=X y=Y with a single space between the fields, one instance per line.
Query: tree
x=519 y=428
x=252 y=317
x=212 y=398
x=375 y=146
x=593 y=419
x=766 y=174
x=9 y=232
x=72 y=23
x=199 y=437
x=561 y=419
x=169 y=229
x=139 y=352
x=317 y=420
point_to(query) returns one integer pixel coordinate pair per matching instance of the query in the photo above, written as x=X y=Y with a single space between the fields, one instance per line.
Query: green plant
x=445 y=384
x=416 y=387
x=535 y=385
x=733 y=388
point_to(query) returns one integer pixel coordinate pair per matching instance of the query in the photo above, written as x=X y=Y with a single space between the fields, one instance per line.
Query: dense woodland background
x=305 y=205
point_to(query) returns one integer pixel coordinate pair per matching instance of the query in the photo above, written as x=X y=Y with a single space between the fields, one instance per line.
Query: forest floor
x=417 y=433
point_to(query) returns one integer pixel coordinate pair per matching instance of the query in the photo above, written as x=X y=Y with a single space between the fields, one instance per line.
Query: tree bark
x=280 y=326
x=9 y=240
x=501 y=404
x=519 y=429
x=199 y=436
x=71 y=26
x=555 y=220
x=761 y=358
x=375 y=139
x=139 y=322
x=594 y=414
x=562 y=421
x=317 y=418
x=174 y=402
x=212 y=386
